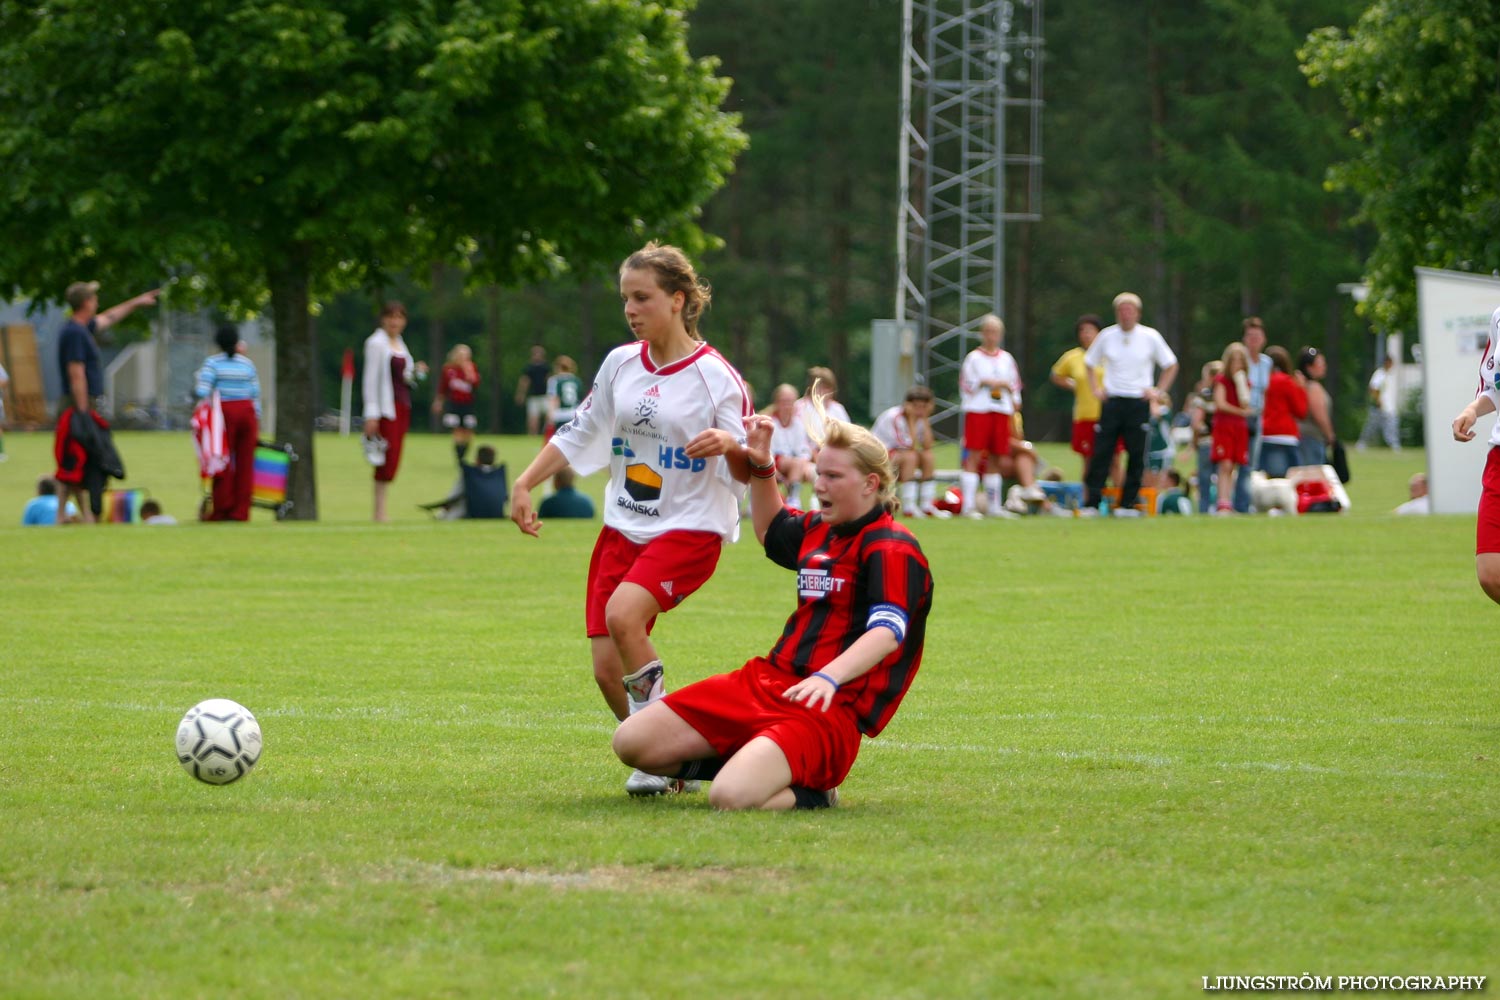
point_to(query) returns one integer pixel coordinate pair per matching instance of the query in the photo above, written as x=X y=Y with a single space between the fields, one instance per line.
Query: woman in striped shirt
x=233 y=377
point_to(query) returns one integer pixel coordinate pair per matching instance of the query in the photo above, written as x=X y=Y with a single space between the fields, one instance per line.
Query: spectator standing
x=42 y=509
x=667 y=417
x=565 y=500
x=1231 y=442
x=1200 y=408
x=83 y=383
x=531 y=389
x=989 y=386
x=1315 y=434
x=906 y=432
x=1071 y=373
x=1285 y=403
x=1253 y=336
x=791 y=448
x=387 y=380
x=1121 y=363
x=564 y=392
x=233 y=377
x=454 y=399
x=1380 y=417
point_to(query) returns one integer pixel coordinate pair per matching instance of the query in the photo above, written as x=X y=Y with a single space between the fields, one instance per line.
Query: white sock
x=927 y=492
x=969 y=483
x=992 y=489
x=645 y=686
x=909 y=495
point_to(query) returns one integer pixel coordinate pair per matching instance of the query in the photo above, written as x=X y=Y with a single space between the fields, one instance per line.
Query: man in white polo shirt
x=1129 y=355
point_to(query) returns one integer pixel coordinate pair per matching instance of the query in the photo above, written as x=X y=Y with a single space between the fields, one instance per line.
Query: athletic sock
x=644 y=686
x=462 y=450
x=992 y=490
x=909 y=496
x=927 y=493
x=701 y=770
x=969 y=483
x=810 y=798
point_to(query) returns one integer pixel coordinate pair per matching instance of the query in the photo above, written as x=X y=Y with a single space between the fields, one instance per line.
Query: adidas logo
x=653 y=393
x=666 y=586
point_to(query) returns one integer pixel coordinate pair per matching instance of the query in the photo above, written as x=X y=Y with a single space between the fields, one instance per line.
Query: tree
x=288 y=151
x=1420 y=81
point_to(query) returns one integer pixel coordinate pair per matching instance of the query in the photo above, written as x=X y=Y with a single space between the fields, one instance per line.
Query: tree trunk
x=839 y=279
x=498 y=391
x=588 y=361
x=296 y=374
x=437 y=345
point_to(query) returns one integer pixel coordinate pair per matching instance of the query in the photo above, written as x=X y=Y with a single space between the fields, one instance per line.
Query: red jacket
x=1285 y=404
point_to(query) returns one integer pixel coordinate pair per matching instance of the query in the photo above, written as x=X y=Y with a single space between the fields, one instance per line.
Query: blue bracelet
x=830 y=680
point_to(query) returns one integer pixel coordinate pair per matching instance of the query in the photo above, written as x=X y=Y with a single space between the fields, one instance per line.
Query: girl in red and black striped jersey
x=783 y=730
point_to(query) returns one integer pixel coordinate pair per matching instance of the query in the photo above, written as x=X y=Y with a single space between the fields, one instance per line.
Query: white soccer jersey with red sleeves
x=638 y=419
x=892 y=430
x=979 y=367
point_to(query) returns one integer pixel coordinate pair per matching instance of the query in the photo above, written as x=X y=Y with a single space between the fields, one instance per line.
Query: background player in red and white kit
x=783 y=730
x=791 y=448
x=906 y=432
x=455 y=397
x=989 y=385
x=1487 y=400
x=666 y=415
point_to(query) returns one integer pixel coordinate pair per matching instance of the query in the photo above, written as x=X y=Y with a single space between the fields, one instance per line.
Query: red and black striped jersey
x=853 y=577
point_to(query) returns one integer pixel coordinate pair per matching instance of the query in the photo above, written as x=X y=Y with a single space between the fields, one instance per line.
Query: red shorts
x=1083 y=438
x=1488 y=531
x=394 y=432
x=670 y=566
x=1231 y=442
x=987 y=432
x=729 y=710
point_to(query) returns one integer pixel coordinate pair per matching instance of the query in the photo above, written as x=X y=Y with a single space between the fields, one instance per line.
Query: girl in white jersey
x=666 y=415
x=1487 y=400
x=791 y=448
x=989 y=384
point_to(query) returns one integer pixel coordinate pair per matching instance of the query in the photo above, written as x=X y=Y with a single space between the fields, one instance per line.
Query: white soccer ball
x=218 y=741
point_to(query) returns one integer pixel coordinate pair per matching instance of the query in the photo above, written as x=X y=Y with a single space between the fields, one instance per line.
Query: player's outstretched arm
x=1463 y=424
x=548 y=463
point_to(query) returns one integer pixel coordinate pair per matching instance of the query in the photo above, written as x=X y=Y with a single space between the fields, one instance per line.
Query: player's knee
x=628 y=743
x=1489 y=580
x=623 y=619
x=728 y=797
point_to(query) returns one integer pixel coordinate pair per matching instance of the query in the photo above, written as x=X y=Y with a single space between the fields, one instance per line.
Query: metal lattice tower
x=971 y=161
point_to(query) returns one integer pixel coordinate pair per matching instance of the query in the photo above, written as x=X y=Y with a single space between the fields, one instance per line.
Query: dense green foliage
x=1422 y=85
x=1110 y=787
x=1185 y=158
x=287 y=151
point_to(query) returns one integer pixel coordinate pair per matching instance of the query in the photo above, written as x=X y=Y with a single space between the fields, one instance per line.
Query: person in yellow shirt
x=1071 y=374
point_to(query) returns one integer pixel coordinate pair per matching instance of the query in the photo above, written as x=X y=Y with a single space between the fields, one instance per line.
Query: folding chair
x=123 y=506
x=272 y=480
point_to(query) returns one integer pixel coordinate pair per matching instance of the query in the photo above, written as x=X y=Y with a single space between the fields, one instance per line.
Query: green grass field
x=1138 y=753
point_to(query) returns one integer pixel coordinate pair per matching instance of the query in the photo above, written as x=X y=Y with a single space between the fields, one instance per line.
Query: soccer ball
x=218 y=741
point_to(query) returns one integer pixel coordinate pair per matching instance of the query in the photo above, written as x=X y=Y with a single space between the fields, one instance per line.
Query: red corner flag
x=346 y=395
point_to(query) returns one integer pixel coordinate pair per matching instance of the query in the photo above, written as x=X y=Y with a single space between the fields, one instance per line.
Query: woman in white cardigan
x=388 y=376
